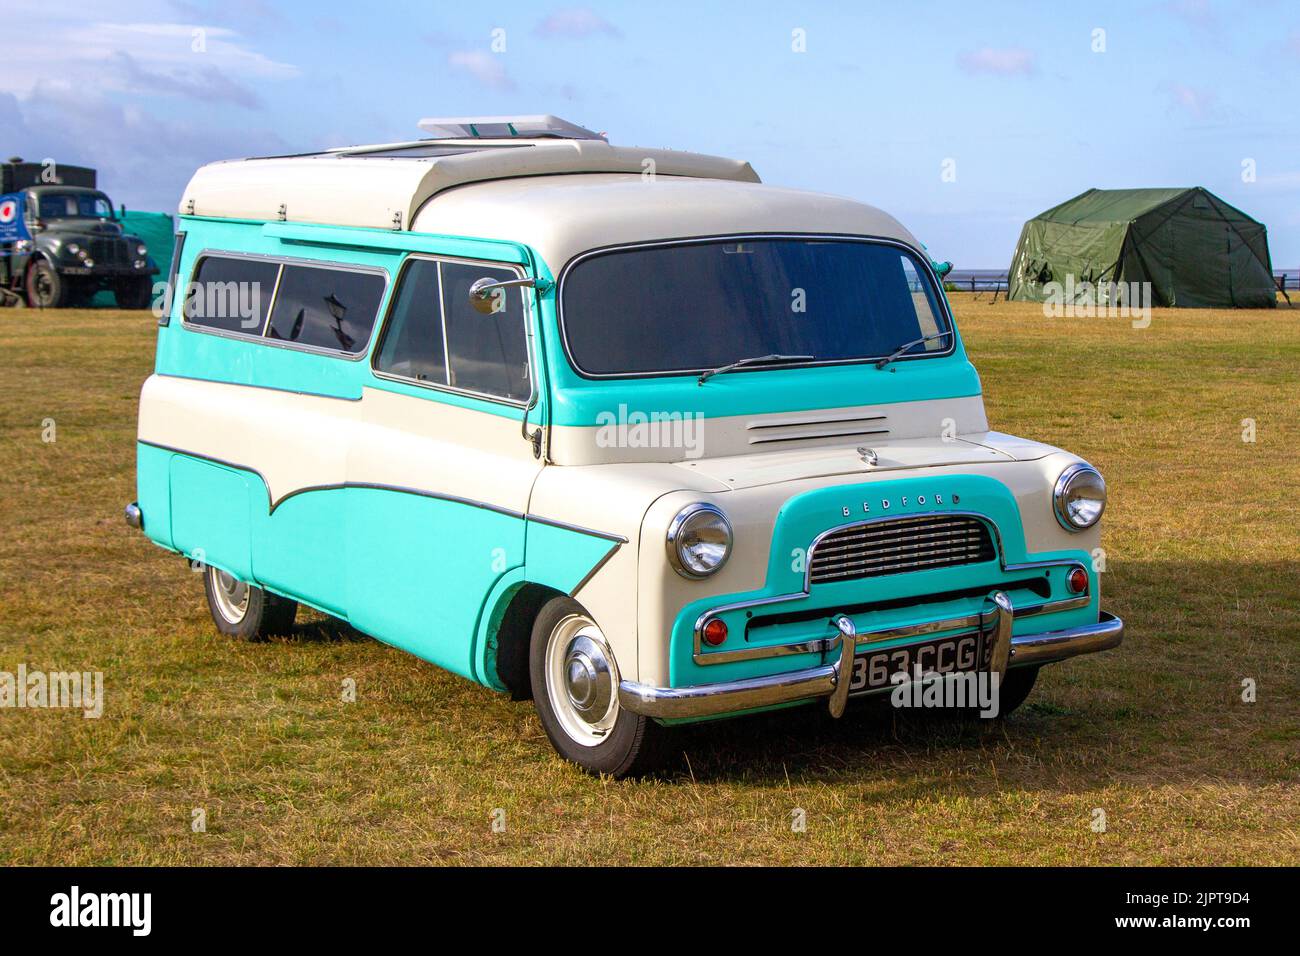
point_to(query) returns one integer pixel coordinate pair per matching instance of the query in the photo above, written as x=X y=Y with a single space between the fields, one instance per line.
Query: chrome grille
x=900 y=545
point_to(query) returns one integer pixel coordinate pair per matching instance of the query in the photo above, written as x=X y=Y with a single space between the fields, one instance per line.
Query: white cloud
x=1196 y=13
x=143 y=160
x=577 y=23
x=484 y=67
x=1008 y=61
x=89 y=56
x=1196 y=101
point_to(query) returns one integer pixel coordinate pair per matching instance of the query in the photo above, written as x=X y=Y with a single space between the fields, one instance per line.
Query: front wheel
x=1015 y=687
x=46 y=289
x=575 y=690
x=244 y=610
x=133 y=293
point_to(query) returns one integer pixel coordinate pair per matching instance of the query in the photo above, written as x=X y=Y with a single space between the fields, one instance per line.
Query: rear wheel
x=245 y=610
x=575 y=690
x=46 y=289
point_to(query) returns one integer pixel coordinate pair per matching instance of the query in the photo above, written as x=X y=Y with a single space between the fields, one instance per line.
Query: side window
x=486 y=353
x=326 y=308
x=231 y=293
x=412 y=346
x=435 y=335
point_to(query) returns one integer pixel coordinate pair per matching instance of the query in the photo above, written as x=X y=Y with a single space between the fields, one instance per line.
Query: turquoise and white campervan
x=621 y=430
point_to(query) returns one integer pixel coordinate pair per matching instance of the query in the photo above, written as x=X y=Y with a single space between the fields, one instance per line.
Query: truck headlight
x=141 y=250
x=73 y=248
x=1080 y=497
x=699 y=540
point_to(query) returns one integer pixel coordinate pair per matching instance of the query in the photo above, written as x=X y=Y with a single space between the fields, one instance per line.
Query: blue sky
x=1012 y=100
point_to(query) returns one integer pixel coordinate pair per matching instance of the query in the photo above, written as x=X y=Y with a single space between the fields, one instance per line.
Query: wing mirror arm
x=482 y=294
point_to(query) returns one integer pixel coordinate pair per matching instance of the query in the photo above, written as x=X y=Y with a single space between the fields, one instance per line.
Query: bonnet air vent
x=799 y=428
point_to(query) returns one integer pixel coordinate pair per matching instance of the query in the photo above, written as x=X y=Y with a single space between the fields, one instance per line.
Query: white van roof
x=563 y=216
x=512 y=178
x=382 y=186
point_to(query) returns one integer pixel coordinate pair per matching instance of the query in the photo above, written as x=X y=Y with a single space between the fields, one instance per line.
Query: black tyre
x=575 y=690
x=46 y=289
x=244 y=610
x=134 y=293
x=1015 y=688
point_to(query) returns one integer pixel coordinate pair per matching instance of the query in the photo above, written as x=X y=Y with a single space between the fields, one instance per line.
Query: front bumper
x=825 y=680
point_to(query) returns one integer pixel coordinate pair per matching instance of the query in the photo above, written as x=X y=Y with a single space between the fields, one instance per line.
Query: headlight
x=141 y=250
x=73 y=248
x=699 y=540
x=1079 y=498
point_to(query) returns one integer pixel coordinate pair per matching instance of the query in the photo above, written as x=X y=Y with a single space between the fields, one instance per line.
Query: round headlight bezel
x=1070 y=479
x=141 y=250
x=680 y=533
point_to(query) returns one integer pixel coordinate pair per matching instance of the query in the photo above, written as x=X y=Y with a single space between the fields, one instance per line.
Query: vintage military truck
x=60 y=242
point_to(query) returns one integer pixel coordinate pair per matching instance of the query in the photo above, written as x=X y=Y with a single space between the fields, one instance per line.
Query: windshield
x=73 y=206
x=701 y=305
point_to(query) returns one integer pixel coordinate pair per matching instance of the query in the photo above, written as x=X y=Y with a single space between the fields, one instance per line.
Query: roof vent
x=506 y=127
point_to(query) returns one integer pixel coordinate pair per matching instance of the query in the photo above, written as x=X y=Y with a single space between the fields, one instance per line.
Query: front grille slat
x=920 y=542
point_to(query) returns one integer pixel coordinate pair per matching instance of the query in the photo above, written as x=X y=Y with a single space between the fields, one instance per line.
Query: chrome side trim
x=727 y=697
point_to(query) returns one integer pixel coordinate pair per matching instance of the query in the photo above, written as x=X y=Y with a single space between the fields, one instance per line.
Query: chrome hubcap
x=582 y=680
x=231 y=595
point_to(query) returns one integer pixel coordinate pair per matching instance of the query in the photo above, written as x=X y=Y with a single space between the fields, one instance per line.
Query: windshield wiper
x=907 y=345
x=755 y=360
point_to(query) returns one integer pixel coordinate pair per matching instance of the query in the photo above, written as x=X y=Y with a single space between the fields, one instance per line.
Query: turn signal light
x=1077 y=581
x=715 y=632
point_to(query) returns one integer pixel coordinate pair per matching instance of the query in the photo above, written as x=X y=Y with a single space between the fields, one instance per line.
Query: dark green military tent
x=1194 y=249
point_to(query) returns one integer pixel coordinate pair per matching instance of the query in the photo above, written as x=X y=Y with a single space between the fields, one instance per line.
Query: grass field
x=1202 y=540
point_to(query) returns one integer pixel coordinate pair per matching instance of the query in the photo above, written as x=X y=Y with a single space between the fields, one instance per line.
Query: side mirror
x=942 y=268
x=482 y=294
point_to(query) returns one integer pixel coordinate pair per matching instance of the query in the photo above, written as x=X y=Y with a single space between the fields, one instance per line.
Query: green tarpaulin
x=157 y=230
x=1194 y=249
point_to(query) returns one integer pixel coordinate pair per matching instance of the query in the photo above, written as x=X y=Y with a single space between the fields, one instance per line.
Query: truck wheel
x=245 y=610
x=46 y=289
x=575 y=690
x=133 y=293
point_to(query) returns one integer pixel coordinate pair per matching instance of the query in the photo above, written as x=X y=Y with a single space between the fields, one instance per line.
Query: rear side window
x=318 y=306
x=231 y=293
x=435 y=336
x=326 y=308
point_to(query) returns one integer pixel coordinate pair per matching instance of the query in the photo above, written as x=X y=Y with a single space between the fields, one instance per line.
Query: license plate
x=945 y=655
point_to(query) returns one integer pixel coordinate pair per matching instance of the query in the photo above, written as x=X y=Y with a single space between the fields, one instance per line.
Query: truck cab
x=73 y=245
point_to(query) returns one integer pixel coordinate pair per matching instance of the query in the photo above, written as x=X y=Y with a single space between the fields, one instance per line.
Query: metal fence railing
x=995 y=281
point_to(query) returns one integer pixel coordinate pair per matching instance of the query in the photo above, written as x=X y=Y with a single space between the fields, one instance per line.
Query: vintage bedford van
x=621 y=430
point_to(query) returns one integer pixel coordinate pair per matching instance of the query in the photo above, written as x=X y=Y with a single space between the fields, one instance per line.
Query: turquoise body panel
x=804 y=516
x=425 y=573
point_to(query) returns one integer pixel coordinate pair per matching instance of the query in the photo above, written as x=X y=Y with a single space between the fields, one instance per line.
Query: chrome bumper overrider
x=825 y=680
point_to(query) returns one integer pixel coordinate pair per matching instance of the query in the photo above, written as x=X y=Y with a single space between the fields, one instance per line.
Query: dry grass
x=1202 y=541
